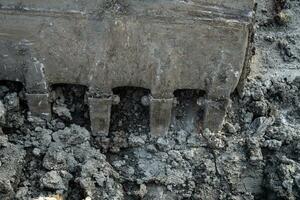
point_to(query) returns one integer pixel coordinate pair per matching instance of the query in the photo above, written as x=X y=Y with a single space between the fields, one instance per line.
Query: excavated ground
x=256 y=156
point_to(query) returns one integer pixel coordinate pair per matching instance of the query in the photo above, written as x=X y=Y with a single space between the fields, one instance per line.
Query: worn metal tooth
x=39 y=105
x=160 y=115
x=100 y=112
x=214 y=114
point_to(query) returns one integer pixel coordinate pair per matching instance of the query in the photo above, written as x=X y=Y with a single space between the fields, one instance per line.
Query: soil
x=255 y=156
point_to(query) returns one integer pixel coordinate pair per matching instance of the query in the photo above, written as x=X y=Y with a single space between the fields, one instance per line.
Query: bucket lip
x=202 y=9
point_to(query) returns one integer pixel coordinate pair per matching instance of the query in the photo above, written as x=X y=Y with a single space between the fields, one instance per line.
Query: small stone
x=259 y=125
x=60 y=125
x=136 y=140
x=21 y=193
x=272 y=144
x=38 y=129
x=248 y=117
x=151 y=148
x=230 y=128
x=214 y=140
x=288 y=184
x=164 y=144
x=62 y=111
x=130 y=171
x=297 y=180
x=3 y=91
x=283 y=17
x=52 y=180
x=257 y=95
x=269 y=38
x=143 y=190
x=119 y=163
x=5 y=187
x=12 y=101
x=254 y=150
x=181 y=136
x=55 y=159
x=36 y=151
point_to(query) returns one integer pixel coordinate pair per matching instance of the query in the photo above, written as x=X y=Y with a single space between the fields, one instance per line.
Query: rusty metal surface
x=159 y=45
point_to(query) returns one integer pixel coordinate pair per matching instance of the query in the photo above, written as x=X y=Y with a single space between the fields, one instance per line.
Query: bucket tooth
x=214 y=114
x=100 y=111
x=160 y=115
x=39 y=105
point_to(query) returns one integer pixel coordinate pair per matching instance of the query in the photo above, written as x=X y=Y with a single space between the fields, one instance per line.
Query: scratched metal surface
x=158 y=45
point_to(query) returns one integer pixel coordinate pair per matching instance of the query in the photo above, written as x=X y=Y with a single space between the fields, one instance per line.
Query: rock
x=12 y=102
x=269 y=38
x=42 y=139
x=151 y=148
x=272 y=144
x=105 y=185
x=259 y=108
x=52 y=180
x=62 y=111
x=284 y=47
x=283 y=17
x=296 y=82
x=229 y=128
x=257 y=94
x=214 y=140
x=181 y=136
x=21 y=193
x=158 y=193
x=259 y=126
x=142 y=191
x=254 y=150
x=60 y=125
x=248 y=117
x=164 y=144
x=75 y=135
x=36 y=152
x=135 y=141
x=12 y=159
x=288 y=184
x=3 y=91
x=6 y=188
x=55 y=197
x=151 y=167
x=297 y=180
x=36 y=121
x=119 y=141
x=129 y=171
x=57 y=159
x=119 y=163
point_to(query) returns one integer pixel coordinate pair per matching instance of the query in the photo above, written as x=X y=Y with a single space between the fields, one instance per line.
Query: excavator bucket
x=159 y=45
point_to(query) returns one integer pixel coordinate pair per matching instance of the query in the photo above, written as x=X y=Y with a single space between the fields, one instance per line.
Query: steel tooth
x=160 y=115
x=100 y=111
x=214 y=114
x=39 y=105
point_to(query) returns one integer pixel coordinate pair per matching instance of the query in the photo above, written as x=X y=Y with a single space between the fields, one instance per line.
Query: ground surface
x=256 y=156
